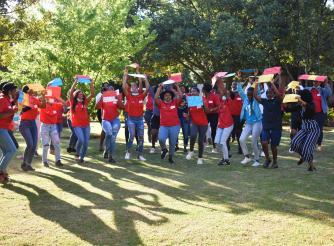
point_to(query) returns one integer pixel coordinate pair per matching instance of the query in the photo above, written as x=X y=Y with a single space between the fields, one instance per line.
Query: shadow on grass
x=288 y=190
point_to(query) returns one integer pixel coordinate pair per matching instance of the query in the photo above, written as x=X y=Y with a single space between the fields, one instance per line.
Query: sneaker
x=141 y=158
x=319 y=148
x=46 y=164
x=152 y=150
x=111 y=160
x=291 y=151
x=227 y=162
x=200 y=161
x=59 y=164
x=266 y=163
x=24 y=167
x=189 y=155
x=127 y=156
x=30 y=168
x=221 y=162
x=262 y=154
x=4 y=178
x=164 y=153
x=301 y=161
x=81 y=161
x=170 y=160
x=214 y=150
x=274 y=165
x=105 y=154
x=256 y=164
x=246 y=160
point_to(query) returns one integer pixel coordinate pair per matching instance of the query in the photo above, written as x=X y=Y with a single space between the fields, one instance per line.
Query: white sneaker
x=290 y=151
x=319 y=148
x=256 y=164
x=200 y=161
x=189 y=155
x=152 y=150
x=127 y=156
x=246 y=160
x=141 y=158
x=262 y=154
x=214 y=150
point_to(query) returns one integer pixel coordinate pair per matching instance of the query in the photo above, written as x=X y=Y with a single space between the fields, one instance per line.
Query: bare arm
x=157 y=94
x=92 y=91
x=256 y=92
x=125 y=82
x=278 y=95
x=73 y=88
x=147 y=86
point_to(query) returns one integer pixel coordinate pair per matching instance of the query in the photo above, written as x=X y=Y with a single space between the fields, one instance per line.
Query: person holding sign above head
x=271 y=122
x=251 y=113
x=225 y=125
x=199 y=123
x=135 y=109
x=28 y=127
x=80 y=118
x=110 y=103
x=168 y=102
x=7 y=111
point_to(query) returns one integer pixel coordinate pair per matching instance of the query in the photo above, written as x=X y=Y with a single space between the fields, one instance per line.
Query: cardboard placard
x=265 y=78
x=137 y=75
x=272 y=70
x=53 y=92
x=320 y=78
x=37 y=87
x=195 y=101
x=291 y=98
x=293 y=85
x=177 y=77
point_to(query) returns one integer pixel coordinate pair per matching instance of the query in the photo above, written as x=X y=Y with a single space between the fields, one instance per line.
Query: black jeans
x=201 y=132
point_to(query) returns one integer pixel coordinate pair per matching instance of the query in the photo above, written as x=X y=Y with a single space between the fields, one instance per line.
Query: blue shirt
x=250 y=110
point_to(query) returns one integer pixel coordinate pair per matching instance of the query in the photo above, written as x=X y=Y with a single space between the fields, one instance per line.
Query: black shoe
x=170 y=160
x=46 y=164
x=105 y=154
x=266 y=163
x=59 y=164
x=111 y=160
x=301 y=161
x=24 y=167
x=30 y=168
x=310 y=169
x=221 y=162
x=69 y=150
x=81 y=161
x=274 y=165
x=164 y=153
x=227 y=162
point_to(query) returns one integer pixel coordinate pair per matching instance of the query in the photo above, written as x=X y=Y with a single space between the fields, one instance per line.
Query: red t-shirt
x=60 y=110
x=213 y=102
x=197 y=114
x=225 y=117
x=80 y=116
x=168 y=113
x=135 y=105
x=48 y=115
x=149 y=102
x=32 y=113
x=316 y=100
x=109 y=107
x=236 y=105
x=5 y=106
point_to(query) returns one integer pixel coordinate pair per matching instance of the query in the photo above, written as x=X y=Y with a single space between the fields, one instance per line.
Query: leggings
x=255 y=130
x=213 y=121
x=221 y=139
x=200 y=131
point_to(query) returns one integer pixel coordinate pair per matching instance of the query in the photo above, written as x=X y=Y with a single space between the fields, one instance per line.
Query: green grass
x=153 y=203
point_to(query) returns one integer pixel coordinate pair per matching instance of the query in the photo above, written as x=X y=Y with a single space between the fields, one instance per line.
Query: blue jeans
x=170 y=132
x=82 y=134
x=111 y=129
x=49 y=132
x=28 y=129
x=73 y=137
x=185 y=126
x=136 y=126
x=8 y=149
x=59 y=127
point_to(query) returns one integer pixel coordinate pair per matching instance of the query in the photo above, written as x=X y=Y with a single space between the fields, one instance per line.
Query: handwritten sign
x=195 y=101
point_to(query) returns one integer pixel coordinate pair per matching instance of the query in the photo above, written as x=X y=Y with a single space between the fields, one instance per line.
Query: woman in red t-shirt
x=7 y=146
x=198 y=126
x=28 y=127
x=110 y=103
x=80 y=118
x=225 y=127
x=135 y=110
x=168 y=102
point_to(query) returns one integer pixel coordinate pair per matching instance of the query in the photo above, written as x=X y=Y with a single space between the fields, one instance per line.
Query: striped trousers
x=305 y=141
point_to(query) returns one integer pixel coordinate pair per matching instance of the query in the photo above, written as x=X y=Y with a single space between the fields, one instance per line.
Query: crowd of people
x=223 y=114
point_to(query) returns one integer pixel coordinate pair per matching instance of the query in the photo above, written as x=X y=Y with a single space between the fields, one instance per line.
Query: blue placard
x=195 y=101
x=21 y=97
x=55 y=82
x=84 y=80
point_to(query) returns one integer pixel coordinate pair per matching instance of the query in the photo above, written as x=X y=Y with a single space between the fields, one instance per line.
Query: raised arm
x=125 y=85
x=278 y=95
x=147 y=86
x=140 y=86
x=157 y=95
x=256 y=92
x=92 y=92
x=73 y=88
x=241 y=91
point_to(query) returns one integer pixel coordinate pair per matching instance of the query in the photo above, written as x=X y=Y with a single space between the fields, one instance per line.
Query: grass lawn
x=154 y=203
